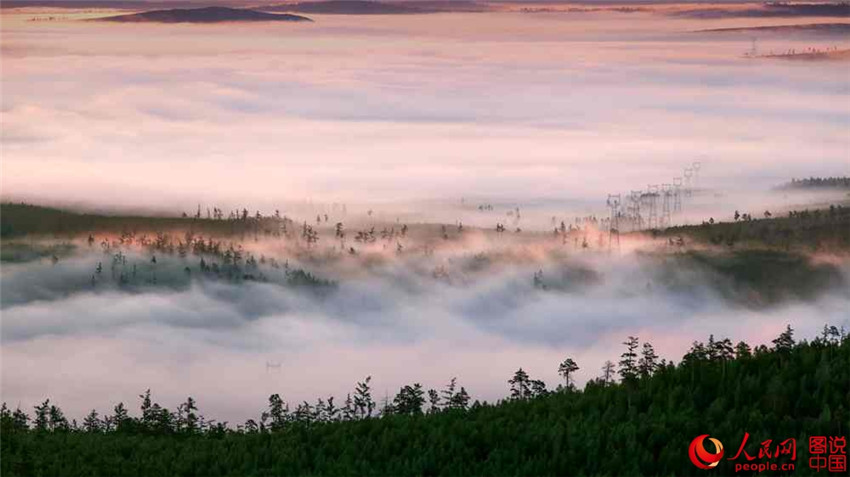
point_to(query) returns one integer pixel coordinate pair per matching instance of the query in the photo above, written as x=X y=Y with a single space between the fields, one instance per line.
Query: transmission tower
x=677 y=194
x=696 y=166
x=689 y=174
x=651 y=199
x=635 y=199
x=613 y=223
x=754 y=48
x=666 y=196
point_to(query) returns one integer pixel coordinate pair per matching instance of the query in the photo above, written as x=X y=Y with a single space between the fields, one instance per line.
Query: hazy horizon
x=264 y=113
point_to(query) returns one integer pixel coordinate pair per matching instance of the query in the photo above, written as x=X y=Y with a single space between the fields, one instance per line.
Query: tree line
x=635 y=418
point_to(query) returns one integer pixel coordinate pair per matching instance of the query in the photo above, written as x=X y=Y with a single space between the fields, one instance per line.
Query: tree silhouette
x=277 y=414
x=520 y=385
x=760 y=394
x=648 y=361
x=538 y=388
x=565 y=369
x=363 y=403
x=188 y=420
x=449 y=392
x=42 y=416
x=742 y=350
x=433 y=401
x=347 y=411
x=409 y=400
x=92 y=422
x=120 y=419
x=785 y=341
x=628 y=360
x=607 y=372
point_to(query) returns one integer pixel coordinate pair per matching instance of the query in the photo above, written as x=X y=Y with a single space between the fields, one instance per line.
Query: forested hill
x=202 y=15
x=641 y=425
x=818 y=182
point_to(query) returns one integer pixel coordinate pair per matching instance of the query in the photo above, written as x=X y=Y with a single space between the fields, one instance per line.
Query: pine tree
x=92 y=423
x=409 y=400
x=348 y=412
x=433 y=401
x=363 y=403
x=607 y=373
x=57 y=419
x=697 y=352
x=187 y=416
x=320 y=411
x=449 y=392
x=460 y=400
x=538 y=388
x=13 y=421
x=725 y=351
x=520 y=385
x=42 y=416
x=277 y=414
x=628 y=361
x=120 y=417
x=331 y=410
x=785 y=341
x=742 y=350
x=148 y=417
x=565 y=369
x=303 y=413
x=20 y=420
x=711 y=348
x=648 y=362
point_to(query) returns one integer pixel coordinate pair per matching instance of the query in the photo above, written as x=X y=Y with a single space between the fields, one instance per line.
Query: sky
x=388 y=109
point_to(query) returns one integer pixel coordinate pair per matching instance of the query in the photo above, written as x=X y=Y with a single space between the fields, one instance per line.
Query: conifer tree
x=648 y=362
x=565 y=369
x=520 y=385
x=628 y=360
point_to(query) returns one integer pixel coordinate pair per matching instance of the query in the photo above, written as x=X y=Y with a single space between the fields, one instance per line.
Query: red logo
x=701 y=457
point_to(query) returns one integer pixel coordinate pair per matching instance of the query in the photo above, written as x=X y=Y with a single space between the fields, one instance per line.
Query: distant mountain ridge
x=772 y=10
x=203 y=15
x=816 y=28
x=343 y=7
x=371 y=7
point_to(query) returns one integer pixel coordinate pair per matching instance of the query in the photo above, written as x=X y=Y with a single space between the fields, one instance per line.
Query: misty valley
x=424 y=237
x=346 y=277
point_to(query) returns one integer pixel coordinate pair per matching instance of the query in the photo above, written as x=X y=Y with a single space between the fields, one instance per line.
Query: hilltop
x=368 y=7
x=203 y=15
x=344 y=7
x=810 y=28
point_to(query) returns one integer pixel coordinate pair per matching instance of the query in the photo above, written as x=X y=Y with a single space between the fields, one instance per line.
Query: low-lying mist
x=525 y=120
x=476 y=306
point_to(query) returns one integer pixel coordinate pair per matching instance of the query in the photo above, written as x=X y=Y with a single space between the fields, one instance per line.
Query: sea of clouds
x=404 y=112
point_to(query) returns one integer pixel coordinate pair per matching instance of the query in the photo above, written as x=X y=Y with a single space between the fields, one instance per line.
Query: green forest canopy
x=639 y=424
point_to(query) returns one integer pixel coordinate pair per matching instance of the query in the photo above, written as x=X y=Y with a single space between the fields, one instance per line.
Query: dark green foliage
x=818 y=182
x=629 y=360
x=301 y=278
x=409 y=400
x=520 y=385
x=754 y=278
x=826 y=229
x=19 y=219
x=18 y=252
x=643 y=428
